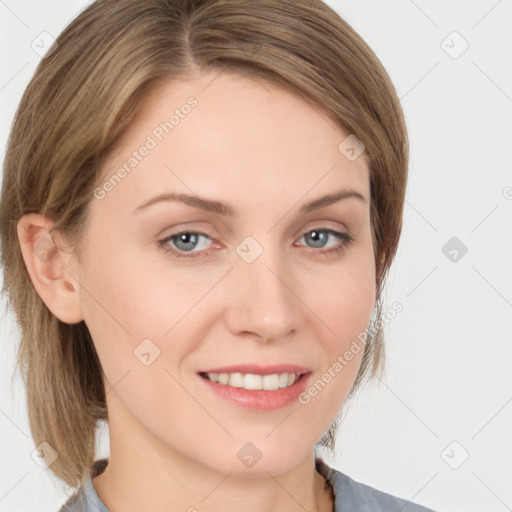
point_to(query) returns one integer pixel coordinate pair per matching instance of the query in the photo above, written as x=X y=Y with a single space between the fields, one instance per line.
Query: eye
x=184 y=242
x=319 y=236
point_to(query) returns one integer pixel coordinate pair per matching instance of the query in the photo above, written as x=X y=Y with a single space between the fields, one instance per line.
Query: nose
x=261 y=298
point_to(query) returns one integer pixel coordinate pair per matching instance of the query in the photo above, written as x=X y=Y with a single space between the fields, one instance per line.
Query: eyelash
x=345 y=241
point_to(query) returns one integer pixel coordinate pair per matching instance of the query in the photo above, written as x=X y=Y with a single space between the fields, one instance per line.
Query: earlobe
x=50 y=267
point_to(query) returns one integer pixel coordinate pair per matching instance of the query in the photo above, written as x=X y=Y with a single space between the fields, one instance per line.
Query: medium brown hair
x=83 y=97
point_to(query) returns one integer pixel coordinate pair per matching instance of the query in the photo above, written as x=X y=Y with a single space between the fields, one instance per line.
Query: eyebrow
x=220 y=208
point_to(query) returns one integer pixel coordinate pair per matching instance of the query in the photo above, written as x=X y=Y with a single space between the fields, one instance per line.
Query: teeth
x=271 y=381
x=251 y=381
x=236 y=380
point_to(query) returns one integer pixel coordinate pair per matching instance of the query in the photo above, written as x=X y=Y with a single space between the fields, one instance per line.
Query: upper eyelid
x=315 y=224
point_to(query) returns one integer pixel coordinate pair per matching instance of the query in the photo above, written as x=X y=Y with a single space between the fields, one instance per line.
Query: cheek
x=134 y=295
x=350 y=304
x=126 y=303
x=349 y=315
x=343 y=296
x=344 y=302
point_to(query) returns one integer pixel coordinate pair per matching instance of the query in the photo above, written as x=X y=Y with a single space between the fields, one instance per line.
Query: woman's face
x=269 y=283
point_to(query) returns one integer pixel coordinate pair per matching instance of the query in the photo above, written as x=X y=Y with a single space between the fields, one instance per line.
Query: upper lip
x=259 y=369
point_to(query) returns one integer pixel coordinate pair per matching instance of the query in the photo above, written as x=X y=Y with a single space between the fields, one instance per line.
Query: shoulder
x=85 y=499
x=353 y=496
x=76 y=503
x=349 y=495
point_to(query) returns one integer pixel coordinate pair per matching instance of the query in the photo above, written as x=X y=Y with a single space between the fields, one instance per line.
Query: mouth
x=254 y=377
x=257 y=388
x=253 y=381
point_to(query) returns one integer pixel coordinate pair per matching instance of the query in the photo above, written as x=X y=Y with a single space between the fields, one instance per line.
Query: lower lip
x=260 y=399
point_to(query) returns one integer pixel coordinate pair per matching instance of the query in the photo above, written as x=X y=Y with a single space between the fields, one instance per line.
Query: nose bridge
x=263 y=303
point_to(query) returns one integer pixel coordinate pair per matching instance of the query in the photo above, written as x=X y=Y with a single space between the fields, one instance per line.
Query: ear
x=52 y=270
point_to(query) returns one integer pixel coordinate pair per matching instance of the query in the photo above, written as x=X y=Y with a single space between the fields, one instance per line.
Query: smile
x=252 y=381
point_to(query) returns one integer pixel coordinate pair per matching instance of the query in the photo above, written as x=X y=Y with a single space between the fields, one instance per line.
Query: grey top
x=349 y=495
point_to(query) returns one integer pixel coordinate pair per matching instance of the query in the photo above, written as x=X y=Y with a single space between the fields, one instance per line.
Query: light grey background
x=447 y=392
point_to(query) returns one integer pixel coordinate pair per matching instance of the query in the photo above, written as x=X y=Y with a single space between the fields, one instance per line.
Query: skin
x=265 y=151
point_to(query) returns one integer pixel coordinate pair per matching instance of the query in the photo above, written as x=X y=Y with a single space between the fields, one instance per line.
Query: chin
x=248 y=459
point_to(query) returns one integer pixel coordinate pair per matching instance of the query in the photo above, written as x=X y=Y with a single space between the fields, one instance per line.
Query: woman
x=201 y=201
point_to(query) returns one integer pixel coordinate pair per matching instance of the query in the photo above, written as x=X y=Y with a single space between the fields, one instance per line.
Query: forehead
x=221 y=135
